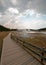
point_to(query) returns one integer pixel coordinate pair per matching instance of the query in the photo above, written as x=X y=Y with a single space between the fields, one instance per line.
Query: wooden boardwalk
x=13 y=54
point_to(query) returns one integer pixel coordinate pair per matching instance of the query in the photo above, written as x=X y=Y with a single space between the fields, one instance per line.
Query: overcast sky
x=23 y=14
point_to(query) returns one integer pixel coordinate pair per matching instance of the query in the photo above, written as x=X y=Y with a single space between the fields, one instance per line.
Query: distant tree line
x=14 y=29
x=42 y=29
x=2 y=28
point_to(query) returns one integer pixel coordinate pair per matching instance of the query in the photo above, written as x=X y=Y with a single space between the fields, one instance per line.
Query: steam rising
x=25 y=34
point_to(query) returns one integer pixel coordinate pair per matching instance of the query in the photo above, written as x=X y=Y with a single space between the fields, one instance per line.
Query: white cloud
x=13 y=10
x=17 y=22
x=38 y=15
x=0 y=15
x=14 y=2
x=32 y=24
x=9 y=24
x=31 y=12
x=22 y=25
x=36 y=24
x=14 y=18
x=37 y=5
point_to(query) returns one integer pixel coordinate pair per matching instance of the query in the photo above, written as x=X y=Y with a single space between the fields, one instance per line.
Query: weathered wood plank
x=13 y=54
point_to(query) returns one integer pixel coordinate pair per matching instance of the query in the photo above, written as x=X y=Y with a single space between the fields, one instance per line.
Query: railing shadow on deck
x=32 y=48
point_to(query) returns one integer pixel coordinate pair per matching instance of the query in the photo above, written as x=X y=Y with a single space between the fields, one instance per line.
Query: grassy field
x=2 y=36
x=37 y=39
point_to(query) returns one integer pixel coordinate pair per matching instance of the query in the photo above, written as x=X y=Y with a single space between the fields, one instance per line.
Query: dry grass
x=37 y=39
x=2 y=36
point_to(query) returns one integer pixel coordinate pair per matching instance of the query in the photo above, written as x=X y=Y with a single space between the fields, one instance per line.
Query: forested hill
x=2 y=28
x=42 y=29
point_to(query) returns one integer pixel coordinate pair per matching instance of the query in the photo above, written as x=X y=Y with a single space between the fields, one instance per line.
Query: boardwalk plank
x=13 y=54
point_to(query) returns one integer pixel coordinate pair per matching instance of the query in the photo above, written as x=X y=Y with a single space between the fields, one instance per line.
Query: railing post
x=42 y=59
x=11 y=36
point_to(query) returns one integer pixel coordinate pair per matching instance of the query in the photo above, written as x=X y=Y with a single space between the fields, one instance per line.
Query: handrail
x=36 y=53
x=41 y=49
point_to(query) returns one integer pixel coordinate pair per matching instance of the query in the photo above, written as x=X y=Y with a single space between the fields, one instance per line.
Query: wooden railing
x=32 y=48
